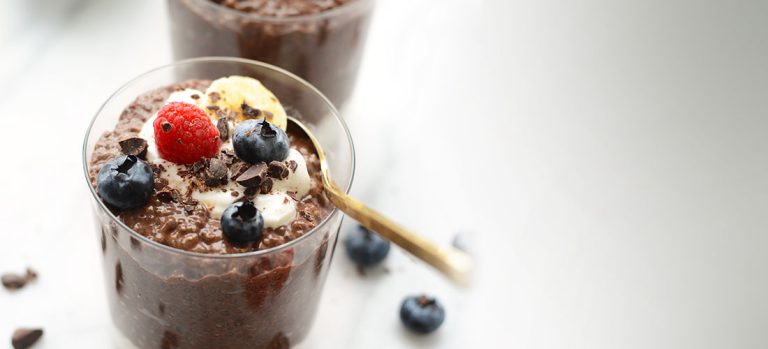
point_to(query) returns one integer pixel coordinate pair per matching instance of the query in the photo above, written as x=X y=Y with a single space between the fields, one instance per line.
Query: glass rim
x=170 y=249
x=336 y=11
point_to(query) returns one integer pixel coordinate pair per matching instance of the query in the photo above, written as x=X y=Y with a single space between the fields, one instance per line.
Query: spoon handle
x=454 y=263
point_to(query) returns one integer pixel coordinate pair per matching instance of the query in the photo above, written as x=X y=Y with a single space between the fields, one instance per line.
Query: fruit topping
x=184 y=134
x=260 y=141
x=126 y=182
x=247 y=98
x=242 y=223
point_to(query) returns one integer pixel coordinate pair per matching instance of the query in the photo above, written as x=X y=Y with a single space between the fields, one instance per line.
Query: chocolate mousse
x=320 y=40
x=268 y=303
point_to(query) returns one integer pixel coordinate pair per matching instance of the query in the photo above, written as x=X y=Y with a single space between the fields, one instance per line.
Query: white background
x=607 y=160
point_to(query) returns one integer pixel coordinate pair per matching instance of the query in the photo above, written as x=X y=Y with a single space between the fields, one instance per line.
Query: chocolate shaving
x=250 y=111
x=24 y=338
x=266 y=186
x=134 y=146
x=228 y=156
x=292 y=164
x=199 y=165
x=277 y=170
x=223 y=127
x=214 y=96
x=195 y=96
x=253 y=176
x=216 y=173
x=213 y=107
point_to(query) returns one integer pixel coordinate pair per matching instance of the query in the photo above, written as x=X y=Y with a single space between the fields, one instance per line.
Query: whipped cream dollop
x=277 y=207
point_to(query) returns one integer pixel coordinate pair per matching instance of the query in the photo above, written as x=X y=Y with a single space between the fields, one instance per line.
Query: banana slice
x=236 y=93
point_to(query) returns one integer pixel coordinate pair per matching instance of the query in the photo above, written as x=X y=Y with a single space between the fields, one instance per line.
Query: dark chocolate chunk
x=277 y=170
x=251 y=192
x=237 y=169
x=25 y=337
x=223 y=127
x=214 y=96
x=292 y=164
x=216 y=173
x=253 y=176
x=228 y=156
x=199 y=165
x=266 y=185
x=195 y=96
x=166 y=126
x=134 y=146
x=213 y=107
x=250 y=111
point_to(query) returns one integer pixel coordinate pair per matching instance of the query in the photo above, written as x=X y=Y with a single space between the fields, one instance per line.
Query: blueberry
x=259 y=140
x=365 y=247
x=126 y=182
x=242 y=223
x=422 y=314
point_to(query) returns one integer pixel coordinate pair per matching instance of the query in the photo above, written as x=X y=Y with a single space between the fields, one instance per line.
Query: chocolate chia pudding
x=320 y=40
x=161 y=299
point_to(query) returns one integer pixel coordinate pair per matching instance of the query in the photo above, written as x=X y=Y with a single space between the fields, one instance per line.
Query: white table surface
x=607 y=159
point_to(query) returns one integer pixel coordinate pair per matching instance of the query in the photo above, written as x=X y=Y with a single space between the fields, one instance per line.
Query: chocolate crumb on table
x=24 y=338
x=13 y=281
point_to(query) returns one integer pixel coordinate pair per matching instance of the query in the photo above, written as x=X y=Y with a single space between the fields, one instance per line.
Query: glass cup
x=323 y=48
x=162 y=297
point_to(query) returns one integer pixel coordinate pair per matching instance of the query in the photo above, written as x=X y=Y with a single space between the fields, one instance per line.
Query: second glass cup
x=324 y=48
x=162 y=297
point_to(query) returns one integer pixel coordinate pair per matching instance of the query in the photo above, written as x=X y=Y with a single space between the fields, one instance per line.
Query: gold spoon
x=453 y=263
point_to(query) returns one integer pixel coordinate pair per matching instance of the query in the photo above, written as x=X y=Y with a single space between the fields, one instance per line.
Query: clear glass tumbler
x=162 y=297
x=323 y=48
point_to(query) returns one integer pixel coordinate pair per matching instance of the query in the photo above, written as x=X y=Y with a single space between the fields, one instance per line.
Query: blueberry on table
x=260 y=140
x=365 y=247
x=126 y=182
x=242 y=222
x=422 y=314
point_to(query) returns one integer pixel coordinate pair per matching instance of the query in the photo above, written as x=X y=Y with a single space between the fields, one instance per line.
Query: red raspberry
x=185 y=134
